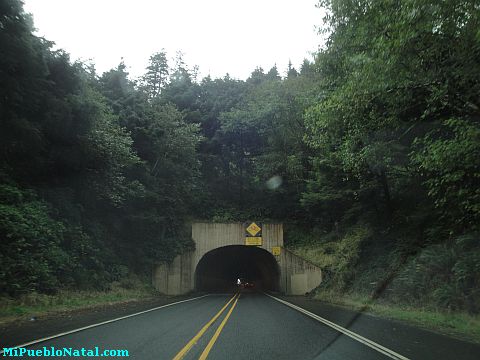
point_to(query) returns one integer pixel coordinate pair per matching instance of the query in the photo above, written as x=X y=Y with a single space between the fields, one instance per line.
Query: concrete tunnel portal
x=219 y=269
x=222 y=255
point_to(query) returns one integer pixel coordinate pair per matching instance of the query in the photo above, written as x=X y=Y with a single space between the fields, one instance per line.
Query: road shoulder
x=25 y=330
x=408 y=340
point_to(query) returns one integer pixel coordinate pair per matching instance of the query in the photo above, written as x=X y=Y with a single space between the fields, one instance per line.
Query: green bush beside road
x=37 y=305
x=436 y=288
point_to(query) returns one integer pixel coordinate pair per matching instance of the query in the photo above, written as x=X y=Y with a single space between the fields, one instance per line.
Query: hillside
x=370 y=152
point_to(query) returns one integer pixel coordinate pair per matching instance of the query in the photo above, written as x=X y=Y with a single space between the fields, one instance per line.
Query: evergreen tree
x=156 y=77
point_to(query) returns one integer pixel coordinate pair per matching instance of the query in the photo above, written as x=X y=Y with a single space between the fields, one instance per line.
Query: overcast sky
x=219 y=36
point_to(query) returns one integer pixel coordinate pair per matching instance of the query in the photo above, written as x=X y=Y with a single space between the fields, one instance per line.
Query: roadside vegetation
x=363 y=274
x=33 y=305
x=369 y=154
x=461 y=325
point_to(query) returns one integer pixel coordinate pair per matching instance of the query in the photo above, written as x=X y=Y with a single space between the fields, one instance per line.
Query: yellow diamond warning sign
x=253 y=229
x=253 y=234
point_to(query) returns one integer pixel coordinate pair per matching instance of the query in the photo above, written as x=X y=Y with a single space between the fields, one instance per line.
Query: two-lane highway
x=222 y=326
x=262 y=328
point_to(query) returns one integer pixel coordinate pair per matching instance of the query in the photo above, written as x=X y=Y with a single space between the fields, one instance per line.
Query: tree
x=23 y=72
x=447 y=159
x=156 y=77
x=389 y=76
x=291 y=71
x=257 y=76
x=273 y=73
x=180 y=73
x=262 y=138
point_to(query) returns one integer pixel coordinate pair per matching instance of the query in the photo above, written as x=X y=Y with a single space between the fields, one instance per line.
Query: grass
x=457 y=324
x=318 y=255
x=40 y=304
x=332 y=255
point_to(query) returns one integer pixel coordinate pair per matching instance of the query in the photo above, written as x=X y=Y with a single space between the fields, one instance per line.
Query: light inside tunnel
x=219 y=269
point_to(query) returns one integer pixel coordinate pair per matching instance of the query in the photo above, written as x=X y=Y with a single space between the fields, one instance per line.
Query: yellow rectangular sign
x=253 y=240
x=276 y=250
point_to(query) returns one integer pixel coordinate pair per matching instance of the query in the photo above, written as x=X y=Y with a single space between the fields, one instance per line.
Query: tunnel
x=219 y=269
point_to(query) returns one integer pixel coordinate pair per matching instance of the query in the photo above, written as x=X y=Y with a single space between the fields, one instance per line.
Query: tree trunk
x=386 y=191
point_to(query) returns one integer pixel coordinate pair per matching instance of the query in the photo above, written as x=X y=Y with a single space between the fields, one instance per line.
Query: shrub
x=446 y=275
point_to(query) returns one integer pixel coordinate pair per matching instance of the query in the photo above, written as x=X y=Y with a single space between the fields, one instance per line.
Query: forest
x=369 y=154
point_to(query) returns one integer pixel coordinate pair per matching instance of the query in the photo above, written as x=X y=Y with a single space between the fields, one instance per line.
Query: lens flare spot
x=274 y=182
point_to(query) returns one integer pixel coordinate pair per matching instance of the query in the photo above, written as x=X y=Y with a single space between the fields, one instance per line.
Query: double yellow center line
x=181 y=354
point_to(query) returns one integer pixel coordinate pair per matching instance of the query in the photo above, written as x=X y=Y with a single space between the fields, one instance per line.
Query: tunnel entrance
x=219 y=269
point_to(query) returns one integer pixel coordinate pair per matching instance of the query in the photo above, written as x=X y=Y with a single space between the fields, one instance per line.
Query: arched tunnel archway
x=219 y=269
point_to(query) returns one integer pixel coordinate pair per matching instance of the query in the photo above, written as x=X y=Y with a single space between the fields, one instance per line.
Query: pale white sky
x=219 y=36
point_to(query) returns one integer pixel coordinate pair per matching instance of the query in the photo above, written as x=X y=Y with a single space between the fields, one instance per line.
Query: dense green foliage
x=97 y=177
x=370 y=152
x=396 y=139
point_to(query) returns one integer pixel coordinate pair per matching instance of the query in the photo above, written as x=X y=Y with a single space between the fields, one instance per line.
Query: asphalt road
x=251 y=326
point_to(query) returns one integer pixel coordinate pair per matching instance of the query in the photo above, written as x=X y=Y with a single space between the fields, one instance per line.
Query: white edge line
x=390 y=353
x=99 y=324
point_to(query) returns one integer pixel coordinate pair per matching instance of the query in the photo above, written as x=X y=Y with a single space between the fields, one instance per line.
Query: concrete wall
x=297 y=276
x=174 y=278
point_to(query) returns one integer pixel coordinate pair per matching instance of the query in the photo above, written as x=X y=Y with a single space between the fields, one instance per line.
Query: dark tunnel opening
x=219 y=269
